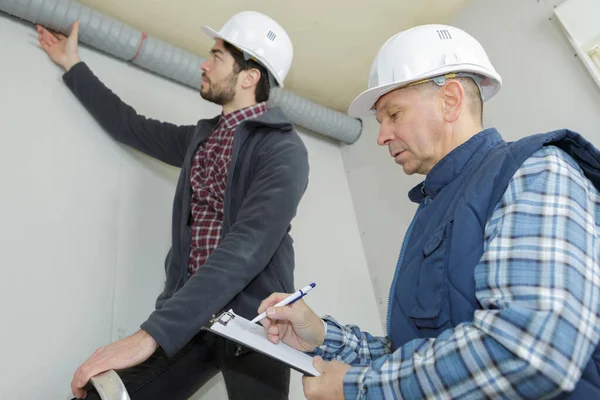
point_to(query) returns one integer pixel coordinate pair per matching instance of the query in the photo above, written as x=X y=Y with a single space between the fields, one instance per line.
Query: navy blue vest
x=433 y=287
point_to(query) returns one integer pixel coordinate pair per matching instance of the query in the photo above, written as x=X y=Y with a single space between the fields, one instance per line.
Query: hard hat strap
x=440 y=80
x=270 y=77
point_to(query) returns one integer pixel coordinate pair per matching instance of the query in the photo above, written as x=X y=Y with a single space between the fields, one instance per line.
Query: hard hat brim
x=211 y=33
x=362 y=106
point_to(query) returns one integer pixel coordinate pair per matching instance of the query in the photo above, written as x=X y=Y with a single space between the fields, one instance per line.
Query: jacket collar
x=453 y=164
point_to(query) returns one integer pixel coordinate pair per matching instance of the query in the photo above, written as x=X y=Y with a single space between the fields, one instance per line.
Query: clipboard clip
x=223 y=318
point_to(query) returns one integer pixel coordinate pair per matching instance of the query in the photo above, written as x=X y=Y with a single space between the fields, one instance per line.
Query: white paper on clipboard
x=244 y=332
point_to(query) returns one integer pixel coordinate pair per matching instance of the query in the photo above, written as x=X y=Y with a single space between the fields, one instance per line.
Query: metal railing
x=110 y=386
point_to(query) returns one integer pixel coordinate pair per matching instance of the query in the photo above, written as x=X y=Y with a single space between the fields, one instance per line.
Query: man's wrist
x=147 y=340
x=322 y=341
x=70 y=63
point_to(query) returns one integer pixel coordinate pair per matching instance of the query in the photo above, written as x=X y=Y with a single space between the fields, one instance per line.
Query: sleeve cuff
x=353 y=386
x=160 y=338
x=334 y=338
x=74 y=70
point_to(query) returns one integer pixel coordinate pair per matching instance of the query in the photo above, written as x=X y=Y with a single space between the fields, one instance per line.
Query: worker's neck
x=465 y=130
x=460 y=132
x=238 y=103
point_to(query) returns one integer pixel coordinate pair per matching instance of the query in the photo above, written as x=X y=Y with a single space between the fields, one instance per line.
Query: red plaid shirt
x=208 y=180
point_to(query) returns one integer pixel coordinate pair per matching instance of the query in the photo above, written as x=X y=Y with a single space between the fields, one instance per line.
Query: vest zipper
x=398 y=265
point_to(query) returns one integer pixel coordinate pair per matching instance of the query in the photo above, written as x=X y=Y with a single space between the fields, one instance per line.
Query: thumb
x=75 y=31
x=283 y=314
x=319 y=364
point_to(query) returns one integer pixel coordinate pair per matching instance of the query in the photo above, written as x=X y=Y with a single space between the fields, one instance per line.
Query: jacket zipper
x=230 y=179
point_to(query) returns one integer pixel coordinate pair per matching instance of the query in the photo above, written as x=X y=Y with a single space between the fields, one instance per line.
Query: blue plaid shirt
x=538 y=283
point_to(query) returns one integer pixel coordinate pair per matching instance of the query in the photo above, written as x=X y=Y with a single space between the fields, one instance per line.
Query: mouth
x=397 y=155
x=204 y=83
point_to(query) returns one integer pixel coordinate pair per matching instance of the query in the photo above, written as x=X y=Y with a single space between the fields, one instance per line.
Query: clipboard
x=240 y=330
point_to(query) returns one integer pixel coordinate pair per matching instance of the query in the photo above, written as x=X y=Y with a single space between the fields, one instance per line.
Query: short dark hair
x=241 y=64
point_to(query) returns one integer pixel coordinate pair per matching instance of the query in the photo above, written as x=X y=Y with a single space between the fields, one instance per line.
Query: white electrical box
x=580 y=20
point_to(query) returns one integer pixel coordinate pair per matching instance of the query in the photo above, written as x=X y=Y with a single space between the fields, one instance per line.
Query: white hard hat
x=422 y=53
x=261 y=38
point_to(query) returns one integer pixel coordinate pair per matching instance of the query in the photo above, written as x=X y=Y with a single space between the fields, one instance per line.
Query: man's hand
x=124 y=353
x=62 y=50
x=328 y=386
x=296 y=324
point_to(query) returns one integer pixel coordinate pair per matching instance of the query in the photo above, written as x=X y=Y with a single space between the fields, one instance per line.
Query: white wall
x=545 y=88
x=84 y=221
x=578 y=19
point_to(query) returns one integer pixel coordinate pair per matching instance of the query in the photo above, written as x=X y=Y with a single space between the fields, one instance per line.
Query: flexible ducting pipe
x=116 y=38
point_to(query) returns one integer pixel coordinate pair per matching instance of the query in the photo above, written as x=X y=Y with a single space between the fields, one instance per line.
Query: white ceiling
x=334 y=40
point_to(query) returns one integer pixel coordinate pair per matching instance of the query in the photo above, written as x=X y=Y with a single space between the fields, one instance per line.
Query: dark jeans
x=248 y=375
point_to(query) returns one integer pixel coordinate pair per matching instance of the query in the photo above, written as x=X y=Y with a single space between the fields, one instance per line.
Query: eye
x=394 y=116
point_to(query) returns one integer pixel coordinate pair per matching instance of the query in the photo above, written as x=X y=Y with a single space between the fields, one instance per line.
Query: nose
x=385 y=136
x=204 y=66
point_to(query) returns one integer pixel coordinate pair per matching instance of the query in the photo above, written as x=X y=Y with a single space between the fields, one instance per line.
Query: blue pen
x=288 y=300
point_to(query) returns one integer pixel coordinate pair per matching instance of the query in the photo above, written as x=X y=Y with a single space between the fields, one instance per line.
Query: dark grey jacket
x=267 y=178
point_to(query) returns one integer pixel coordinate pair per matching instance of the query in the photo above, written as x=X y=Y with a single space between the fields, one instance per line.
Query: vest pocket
x=428 y=310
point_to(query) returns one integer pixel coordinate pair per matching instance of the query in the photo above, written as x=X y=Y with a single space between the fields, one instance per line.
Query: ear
x=250 y=78
x=453 y=100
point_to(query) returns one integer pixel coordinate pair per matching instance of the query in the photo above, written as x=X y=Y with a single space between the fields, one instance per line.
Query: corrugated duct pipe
x=124 y=42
